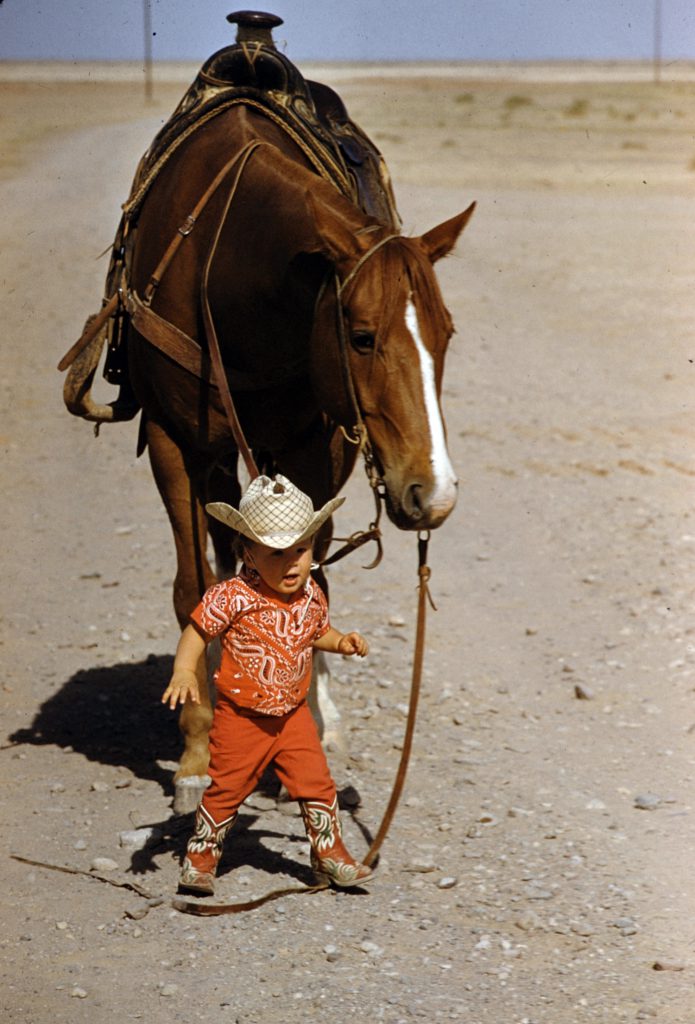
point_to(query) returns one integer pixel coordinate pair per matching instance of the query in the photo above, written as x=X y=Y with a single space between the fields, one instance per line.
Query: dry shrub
x=578 y=108
x=515 y=102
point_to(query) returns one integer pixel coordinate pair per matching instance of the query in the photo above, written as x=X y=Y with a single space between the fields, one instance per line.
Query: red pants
x=242 y=745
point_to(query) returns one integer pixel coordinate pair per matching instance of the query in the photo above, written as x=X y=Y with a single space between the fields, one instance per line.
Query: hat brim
x=235 y=520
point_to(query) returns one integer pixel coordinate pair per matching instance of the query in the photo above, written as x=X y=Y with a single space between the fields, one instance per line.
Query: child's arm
x=342 y=643
x=184 y=682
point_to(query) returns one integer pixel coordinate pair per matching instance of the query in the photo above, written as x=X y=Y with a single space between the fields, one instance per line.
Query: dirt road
x=540 y=865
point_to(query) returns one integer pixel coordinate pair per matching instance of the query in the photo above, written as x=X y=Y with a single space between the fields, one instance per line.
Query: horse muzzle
x=420 y=505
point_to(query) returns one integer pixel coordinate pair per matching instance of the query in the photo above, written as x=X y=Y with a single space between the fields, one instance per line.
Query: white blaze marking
x=444 y=476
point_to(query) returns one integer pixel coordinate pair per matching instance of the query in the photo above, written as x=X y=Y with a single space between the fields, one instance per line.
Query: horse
x=331 y=328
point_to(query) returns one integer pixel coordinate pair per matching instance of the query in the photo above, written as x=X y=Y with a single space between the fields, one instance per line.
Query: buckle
x=187 y=225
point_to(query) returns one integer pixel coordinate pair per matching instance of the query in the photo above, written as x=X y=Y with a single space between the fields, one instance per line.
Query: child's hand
x=353 y=643
x=183 y=686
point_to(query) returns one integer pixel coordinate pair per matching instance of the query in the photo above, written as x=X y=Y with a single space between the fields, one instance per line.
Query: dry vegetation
x=610 y=133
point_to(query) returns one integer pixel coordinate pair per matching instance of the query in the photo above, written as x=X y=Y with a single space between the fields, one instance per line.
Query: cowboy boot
x=330 y=859
x=203 y=852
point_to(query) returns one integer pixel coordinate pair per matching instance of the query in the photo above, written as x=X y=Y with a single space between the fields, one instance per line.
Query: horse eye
x=363 y=341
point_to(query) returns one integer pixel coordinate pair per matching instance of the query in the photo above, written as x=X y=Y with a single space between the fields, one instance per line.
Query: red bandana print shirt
x=266 y=643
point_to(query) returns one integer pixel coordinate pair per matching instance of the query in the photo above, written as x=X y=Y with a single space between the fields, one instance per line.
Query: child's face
x=283 y=570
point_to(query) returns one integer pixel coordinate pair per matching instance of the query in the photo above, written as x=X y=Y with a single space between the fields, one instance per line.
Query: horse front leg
x=182 y=497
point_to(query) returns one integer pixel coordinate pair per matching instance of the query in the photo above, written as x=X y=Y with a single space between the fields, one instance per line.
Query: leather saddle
x=254 y=72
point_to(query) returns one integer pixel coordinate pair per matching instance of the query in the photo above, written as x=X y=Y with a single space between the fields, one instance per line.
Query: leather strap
x=168 y=338
x=189 y=223
x=186 y=351
x=424 y=596
x=211 y=333
x=89 y=333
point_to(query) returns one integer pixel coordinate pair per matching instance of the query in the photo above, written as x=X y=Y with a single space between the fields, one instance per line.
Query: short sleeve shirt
x=266 y=643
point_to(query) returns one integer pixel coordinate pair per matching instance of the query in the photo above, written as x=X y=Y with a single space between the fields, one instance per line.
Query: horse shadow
x=112 y=715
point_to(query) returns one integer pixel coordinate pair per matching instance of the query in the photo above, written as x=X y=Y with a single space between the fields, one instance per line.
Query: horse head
x=394 y=329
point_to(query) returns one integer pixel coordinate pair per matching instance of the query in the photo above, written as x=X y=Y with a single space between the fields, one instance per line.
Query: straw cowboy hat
x=274 y=512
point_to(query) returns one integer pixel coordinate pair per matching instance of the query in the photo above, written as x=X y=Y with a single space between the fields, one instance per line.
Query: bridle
x=360 y=435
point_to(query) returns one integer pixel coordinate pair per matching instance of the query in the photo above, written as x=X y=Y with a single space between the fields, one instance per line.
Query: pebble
x=529 y=921
x=57 y=787
x=100 y=787
x=663 y=965
x=332 y=953
x=260 y=802
x=448 y=882
x=137 y=839
x=137 y=913
x=80 y=845
x=583 y=692
x=103 y=864
x=61 y=925
x=78 y=993
x=168 y=990
x=533 y=893
x=647 y=801
x=420 y=866
x=626 y=925
x=371 y=948
x=582 y=928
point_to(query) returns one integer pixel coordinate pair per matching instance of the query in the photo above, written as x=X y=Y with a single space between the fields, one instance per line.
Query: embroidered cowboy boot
x=203 y=852
x=329 y=857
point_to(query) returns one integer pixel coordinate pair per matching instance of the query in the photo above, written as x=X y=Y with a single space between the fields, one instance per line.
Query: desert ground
x=539 y=867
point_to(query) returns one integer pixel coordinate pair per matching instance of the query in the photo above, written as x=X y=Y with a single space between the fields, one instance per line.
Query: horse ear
x=334 y=237
x=441 y=240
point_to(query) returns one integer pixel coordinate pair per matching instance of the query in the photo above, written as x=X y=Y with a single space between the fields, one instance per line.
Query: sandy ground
x=539 y=867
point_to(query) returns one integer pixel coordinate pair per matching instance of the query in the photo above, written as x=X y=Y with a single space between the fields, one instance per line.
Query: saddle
x=254 y=73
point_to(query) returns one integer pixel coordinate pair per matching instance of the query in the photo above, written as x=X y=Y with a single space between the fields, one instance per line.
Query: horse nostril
x=413 y=501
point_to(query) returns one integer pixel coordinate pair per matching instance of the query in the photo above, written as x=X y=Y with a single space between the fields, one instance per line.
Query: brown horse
x=331 y=328
x=281 y=239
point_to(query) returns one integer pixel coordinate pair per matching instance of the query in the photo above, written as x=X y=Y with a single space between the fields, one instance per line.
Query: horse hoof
x=189 y=792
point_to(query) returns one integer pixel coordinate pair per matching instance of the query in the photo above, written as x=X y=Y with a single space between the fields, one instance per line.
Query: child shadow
x=112 y=715
x=244 y=846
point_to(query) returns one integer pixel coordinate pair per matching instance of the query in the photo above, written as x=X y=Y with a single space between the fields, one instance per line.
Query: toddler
x=269 y=618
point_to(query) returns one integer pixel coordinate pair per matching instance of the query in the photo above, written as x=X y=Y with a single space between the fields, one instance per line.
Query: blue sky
x=353 y=29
